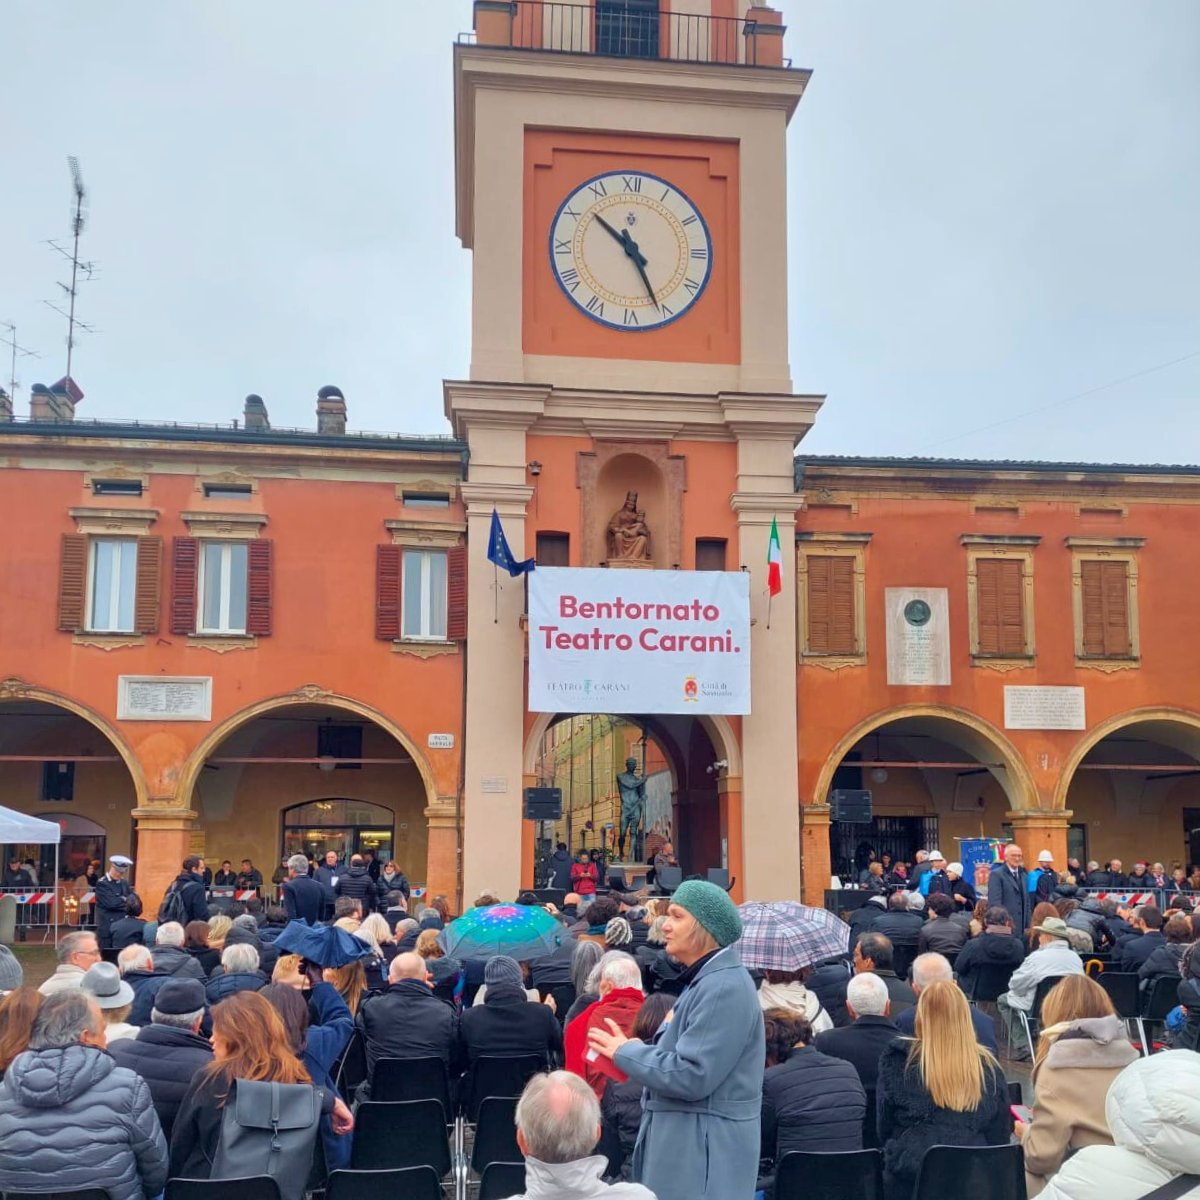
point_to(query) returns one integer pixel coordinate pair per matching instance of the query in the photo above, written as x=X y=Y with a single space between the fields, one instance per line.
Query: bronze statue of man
x=632 y=787
x=628 y=534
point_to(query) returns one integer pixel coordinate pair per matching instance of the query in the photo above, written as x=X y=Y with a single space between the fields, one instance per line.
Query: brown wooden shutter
x=831 y=618
x=388 y=560
x=72 y=582
x=1105 y=587
x=456 y=594
x=147 y=585
x=553 y=550
x=710 y=554
x=1000 y=605
x=185 y=559
x=260 y=557
x=841 y=607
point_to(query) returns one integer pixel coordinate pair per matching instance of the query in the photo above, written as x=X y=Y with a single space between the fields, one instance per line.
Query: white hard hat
x=1045 y=856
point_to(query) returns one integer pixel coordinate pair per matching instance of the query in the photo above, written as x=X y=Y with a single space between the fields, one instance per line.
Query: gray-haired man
x=303 y=898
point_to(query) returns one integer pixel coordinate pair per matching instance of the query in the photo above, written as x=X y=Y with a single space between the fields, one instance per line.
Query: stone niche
x=606 y=473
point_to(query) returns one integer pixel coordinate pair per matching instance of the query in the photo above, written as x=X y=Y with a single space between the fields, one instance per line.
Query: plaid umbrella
x=788 y=937
x=520 y=931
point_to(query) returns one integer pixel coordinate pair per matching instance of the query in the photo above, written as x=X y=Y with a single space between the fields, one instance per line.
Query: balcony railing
x=630 y=29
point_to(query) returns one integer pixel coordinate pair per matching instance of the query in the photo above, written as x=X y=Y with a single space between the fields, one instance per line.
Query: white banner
x=623 y=641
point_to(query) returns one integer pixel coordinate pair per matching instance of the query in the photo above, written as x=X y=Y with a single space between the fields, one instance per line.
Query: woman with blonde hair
x=428 y=945
x=937 y=1088
x=218 y=929
x=350 y=982
x=1081 y=1051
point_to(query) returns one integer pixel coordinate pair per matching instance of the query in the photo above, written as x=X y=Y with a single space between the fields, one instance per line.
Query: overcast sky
x=993 y=207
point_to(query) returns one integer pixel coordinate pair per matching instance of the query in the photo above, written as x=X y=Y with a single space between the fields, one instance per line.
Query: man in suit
x=1008 y=888
x=303 y=898
x=861 y=1043
x=1133 y=951
x=930 y=968
x=874 y=955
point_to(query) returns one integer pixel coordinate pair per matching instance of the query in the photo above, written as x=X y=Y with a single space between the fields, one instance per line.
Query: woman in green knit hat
x=704 y=1070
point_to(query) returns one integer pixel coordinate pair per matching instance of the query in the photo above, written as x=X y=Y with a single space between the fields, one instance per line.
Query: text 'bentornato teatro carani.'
x=247 y=642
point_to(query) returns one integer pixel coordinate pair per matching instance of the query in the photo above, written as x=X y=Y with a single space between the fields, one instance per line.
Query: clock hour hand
x=639 y=261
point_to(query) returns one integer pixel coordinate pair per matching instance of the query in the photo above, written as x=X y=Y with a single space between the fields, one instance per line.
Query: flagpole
x=496 y=592
x=770 y=597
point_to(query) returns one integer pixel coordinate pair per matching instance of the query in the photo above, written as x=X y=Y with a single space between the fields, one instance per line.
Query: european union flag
x=500 y=554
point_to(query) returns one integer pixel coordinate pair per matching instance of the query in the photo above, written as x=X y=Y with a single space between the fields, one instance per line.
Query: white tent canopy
x=17 y=827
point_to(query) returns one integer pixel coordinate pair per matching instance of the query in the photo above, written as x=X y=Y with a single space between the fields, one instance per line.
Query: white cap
x=957 y=868
x=936 y=856
x=1045 y=856
x=119 y=860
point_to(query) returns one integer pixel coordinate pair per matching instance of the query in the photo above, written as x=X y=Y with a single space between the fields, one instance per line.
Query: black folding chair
x=1161 y=998
x=351 y=1070
x=1122 y=989
x=83 y=1194
x=407 y=1183
x=500 y=1181
x=1030 y=1020
x=500 y=1076
x=989 y=982
x=399 y=1079
x=393 y=1134
x=496 y=1134
x=616 y=879
x=720 y=876
x=981 y=1172
x=853 y=1175
x=253 y=1187
x=902 y=958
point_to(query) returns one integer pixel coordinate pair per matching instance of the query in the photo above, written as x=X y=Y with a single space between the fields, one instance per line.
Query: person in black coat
x=560 y=868
x=226 y=876
x=137 y=969
x=112 y=892
x=864 y=918
x=997 y=944
x=508 y=1022
x=901 y=925
x=916 y=1104
x=941 y=935
x=1132 y=952
x=249 y=876
x=357 y=884
x=961 y=892
x=303 y=898
x=861 y=1043
x=1092 y=919
x=874 y=953
x=1112 y=878
x=129 y=929
x=408 y=1020
x=170 y=1050
x=810 y=1100
x=188 y=885
x=238 y=972
x=1008 y=888
x=1166 y=959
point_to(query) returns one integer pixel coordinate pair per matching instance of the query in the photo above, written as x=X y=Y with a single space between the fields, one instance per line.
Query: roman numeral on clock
x=598 y=189
x=689 y=220
x=630 y=317
x=692 y=286
x=633 y=183
x=571 y=212
x=564 y=247
x=699 y=251
x=570 y=279
x=596 y=305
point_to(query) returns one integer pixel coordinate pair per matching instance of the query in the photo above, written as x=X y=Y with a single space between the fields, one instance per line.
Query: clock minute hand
x=612 y=232
x=639 y=261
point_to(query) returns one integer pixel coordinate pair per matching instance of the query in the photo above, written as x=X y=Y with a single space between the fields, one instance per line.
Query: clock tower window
x=627 y=28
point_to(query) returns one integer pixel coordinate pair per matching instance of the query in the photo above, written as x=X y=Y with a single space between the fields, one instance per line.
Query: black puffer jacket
x=166 y=1058
x=812 y=1102
x=358 y=885
x=900 y=928
x=909 y=1122
x=408 y=1021
x=989 y=948
x=72 y=1119
x=621 y=1118
x=221 y=987
x=1163 y=960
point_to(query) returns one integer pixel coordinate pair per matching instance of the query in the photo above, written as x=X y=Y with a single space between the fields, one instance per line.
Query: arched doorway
x=270 y=770
x=936 y=775
x=582 y=754
x=1133 y=788
x=62 y=765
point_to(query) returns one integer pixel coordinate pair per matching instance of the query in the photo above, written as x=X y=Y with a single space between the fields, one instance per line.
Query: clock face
x=630 y=250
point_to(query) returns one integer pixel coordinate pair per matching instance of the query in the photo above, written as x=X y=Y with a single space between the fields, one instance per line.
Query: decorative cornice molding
x=1000 y=539
x=509 y=499
x=809 y=535
x=766 y=503
x=1104 y=543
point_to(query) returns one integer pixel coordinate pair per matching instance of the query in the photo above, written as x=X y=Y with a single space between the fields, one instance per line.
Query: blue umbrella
x=324 y=945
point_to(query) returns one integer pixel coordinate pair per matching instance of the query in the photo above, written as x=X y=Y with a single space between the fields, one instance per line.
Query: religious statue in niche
x=632 y=788
x=628 y=533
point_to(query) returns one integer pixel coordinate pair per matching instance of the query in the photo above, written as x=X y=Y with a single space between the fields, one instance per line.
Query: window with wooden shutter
x=831 y=615
x=710 y=554
x=553 y=550
x=72 y=582
x=185 y=557
x=1000 y=606
x=260 y=560
x=387 y=591
x=456 y=593
x=1105 y=596
x=147 y=585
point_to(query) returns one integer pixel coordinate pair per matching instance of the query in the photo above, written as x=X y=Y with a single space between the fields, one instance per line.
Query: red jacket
x=583 y=878
x=620 y=1005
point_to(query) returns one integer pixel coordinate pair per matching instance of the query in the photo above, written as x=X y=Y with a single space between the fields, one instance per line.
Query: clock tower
x=621 y=184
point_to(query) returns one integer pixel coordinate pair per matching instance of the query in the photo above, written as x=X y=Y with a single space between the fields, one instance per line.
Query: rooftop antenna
x=14 y=350
x=78 y=266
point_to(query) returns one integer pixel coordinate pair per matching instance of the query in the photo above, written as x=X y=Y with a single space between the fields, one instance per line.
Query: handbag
x=269 y=1129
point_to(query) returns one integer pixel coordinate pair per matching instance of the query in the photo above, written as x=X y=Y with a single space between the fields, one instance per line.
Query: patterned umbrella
x=788 y=937
x=520 y=931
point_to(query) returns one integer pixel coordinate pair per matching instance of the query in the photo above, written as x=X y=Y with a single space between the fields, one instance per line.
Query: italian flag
x=774 y=561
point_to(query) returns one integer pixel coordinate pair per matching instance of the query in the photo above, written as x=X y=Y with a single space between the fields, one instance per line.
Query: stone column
x=441 y=864
x=729 y=794
x=163 y=842
x=1035 y=831
x=815 y=860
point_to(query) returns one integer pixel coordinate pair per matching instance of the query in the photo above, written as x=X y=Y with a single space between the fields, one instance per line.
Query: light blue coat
x=700 y=1133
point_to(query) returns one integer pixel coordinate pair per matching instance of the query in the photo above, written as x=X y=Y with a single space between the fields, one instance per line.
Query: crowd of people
x=670 y=1070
